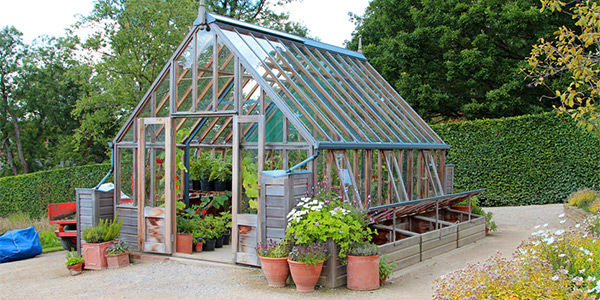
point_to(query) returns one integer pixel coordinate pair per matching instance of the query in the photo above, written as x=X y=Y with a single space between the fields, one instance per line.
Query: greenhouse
x=274 y=114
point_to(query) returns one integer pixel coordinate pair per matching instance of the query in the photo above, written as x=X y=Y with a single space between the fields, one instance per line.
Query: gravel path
x=45 y=276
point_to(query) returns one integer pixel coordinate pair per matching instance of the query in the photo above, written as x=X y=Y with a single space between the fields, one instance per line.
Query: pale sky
x=326 y=19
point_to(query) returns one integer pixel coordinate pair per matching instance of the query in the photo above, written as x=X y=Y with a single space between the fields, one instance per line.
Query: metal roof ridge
x=212 y=17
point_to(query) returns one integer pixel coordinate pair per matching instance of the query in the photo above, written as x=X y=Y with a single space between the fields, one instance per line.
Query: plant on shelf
x=74 y=263
x=325 y=217
x=363 y=266
x=221 y=172
x=97 y=239
x=273 y=259
x=305 y=263
x=118 y=255
x=386 y=267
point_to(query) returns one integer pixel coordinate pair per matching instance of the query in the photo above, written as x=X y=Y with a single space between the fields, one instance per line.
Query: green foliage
x=221 y=168
x=200 y=168
x=31 y=193
x=274 y=249
x=314 y=221
x=386 y=267
x=456 y=59
x=49 y=241
x=107 y=230
x=363 y=249
x=73 y=258
x=525 y=160
x=185 y=225
x=118 y=247
x=310 y=254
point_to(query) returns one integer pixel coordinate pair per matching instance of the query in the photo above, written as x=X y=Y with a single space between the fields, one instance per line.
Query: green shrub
x=106 y=230
x=584 y=199
x=533 y=159
x=31 y=193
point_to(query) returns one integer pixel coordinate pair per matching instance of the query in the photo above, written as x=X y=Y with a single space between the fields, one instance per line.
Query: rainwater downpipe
x=112 y=165
x=304 y=162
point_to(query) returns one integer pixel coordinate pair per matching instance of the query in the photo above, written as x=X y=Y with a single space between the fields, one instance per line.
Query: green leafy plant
x=491 y=225
x=185 y=225
x=200 y=168
x=316 y=220
x=198 y=235
x=107 y=230
x=583 y=198
x=310 y=254
x=386 y=267
x=363 y=249
x=73 y=258
x=217 y=201
x=221 y=169
x=117 y=247
x=274 y=249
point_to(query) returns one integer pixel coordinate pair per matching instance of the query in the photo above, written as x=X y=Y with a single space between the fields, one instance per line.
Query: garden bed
x=575 y=214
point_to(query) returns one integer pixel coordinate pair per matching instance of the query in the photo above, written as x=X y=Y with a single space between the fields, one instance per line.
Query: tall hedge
x=533 y=159
x=31 y=193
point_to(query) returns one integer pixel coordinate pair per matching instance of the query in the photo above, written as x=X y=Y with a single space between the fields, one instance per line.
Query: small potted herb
x=117 y=255
x=386 y=267
x=306 y=263
x=363 y=267
x=198 y=240
x=74 y=263
x=273 y=260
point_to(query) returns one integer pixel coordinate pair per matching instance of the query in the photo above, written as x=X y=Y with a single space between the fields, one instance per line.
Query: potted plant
x=273 y=260
x=195 y=174
x=220 y=229
x=74 y=263
x=210 y=233
x=363 y=267
x=226 y=217
x=204 y=170
x=386 y=268
x=198 y=240
x=96 y=241
x=306 y=263
x=185 y=239
x=221 y=173
x=118 y=255
x=489 y=224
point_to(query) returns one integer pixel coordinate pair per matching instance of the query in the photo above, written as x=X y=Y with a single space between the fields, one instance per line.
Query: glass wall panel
x=162 y=95
x=225 y=77
x=204 y=60
x=126 y=178
x=184 y=77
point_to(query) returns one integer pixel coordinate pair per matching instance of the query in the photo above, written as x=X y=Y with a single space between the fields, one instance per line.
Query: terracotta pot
x=184 y=243
x=363 y=272
x=382 y=281
x=463 y=208
x=118 y=260
x=276 y=270
x=94 y=255
x=198 y=247
x=75 y=269
x=305 y=276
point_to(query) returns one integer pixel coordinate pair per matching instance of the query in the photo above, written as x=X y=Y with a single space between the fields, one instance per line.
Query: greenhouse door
x=156 y=184
x=248 y=161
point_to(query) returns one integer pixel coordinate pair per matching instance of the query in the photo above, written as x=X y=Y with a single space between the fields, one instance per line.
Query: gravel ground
x=45 y=276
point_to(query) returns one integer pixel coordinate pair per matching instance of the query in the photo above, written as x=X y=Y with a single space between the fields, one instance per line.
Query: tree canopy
x=457 y=59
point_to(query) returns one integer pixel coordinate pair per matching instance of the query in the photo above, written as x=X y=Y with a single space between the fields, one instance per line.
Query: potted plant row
x=211 y=173
x=199 y=230
x=96 y=241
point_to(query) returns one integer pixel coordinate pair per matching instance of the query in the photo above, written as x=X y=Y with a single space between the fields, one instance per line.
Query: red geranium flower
x=204 y=212
x=196 y=212
x=159 y=161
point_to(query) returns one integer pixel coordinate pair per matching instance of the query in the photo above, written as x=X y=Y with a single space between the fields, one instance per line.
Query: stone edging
x=575 y=214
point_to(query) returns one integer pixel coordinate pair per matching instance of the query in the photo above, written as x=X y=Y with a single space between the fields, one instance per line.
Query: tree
x=572 y=54
x=136 y=38
x=456 y=59
x=11 y=54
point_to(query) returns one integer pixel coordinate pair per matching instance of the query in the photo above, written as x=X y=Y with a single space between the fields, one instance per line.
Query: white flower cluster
x=304 y=207
x=339 y=209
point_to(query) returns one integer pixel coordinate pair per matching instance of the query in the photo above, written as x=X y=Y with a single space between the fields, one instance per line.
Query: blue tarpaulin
x=19 y=244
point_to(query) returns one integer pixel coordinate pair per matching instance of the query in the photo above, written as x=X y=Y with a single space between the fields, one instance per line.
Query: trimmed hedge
x=532 y=159
x=31 y=193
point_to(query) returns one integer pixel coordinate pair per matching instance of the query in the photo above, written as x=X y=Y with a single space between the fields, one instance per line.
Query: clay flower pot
x=198 y=247
x=75 y=269
x=363 y=272
x=118 y=260
x=95 y=255
x=276 y=270
x=184 y=243
x=305 y=276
